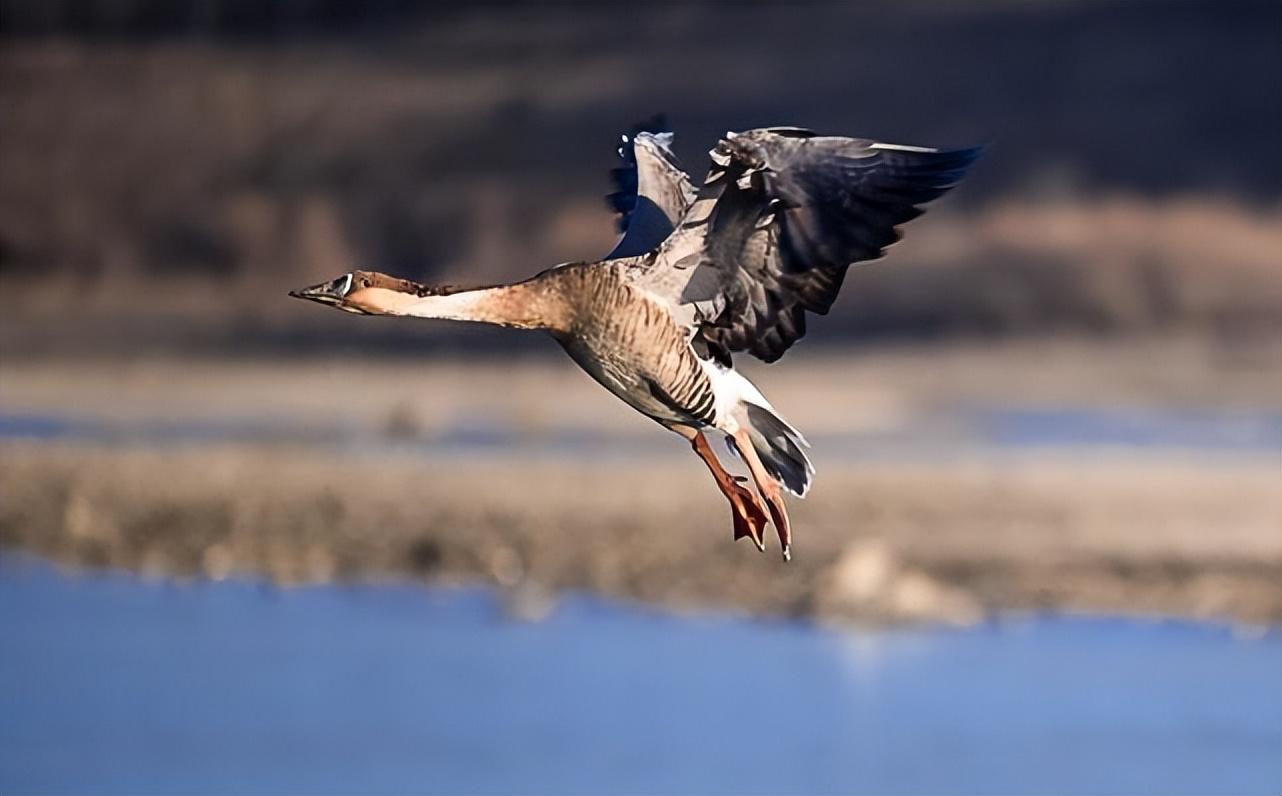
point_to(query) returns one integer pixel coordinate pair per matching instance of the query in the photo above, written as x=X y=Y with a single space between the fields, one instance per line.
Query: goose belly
x=630 y=377
x=630 y=344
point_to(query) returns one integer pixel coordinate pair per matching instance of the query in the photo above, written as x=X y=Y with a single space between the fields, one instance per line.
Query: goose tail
x=781 y=448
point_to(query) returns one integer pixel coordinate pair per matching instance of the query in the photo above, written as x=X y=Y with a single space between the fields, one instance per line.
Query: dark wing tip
x=960 y=160
x=949 y=166
x=908 y=177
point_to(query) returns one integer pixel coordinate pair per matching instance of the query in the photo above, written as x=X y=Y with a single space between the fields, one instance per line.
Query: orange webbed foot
x=749 y=516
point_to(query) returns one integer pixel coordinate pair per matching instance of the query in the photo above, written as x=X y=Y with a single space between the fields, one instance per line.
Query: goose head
x=364 y=293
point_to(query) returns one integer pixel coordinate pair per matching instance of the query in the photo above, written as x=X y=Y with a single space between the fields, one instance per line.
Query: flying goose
x=699 y=274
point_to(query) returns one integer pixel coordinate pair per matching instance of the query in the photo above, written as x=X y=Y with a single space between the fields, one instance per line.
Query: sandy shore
x=874 y=543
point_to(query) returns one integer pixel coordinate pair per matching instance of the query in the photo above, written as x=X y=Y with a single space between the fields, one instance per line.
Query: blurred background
x=251 y=545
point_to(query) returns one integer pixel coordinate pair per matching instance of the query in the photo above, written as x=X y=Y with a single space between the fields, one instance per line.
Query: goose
x=699 y=274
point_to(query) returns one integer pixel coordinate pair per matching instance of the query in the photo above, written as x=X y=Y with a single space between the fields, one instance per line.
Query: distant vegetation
x=217 y=153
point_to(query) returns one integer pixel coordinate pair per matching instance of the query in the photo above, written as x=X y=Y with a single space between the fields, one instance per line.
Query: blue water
x=1139 y=428
x=111 y=684
x=1254 y=432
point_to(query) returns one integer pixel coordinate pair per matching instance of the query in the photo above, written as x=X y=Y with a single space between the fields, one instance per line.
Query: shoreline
x=876 y=544
x=517 y=607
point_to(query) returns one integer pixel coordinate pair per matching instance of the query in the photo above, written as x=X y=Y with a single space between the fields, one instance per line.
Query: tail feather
x=781 y=449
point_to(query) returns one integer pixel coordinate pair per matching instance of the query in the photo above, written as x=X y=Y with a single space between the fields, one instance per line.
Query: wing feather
x=652 y=193
x=781 y=216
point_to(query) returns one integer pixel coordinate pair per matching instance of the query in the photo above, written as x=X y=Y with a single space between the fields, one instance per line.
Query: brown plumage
x=735 y=266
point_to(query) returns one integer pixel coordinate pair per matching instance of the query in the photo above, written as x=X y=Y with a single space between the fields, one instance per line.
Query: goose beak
x=332 y=293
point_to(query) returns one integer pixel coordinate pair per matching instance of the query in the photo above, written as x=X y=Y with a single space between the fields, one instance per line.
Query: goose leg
x=769 y=489
x=748 y=513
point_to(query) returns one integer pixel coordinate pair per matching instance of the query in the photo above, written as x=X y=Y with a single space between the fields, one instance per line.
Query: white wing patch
x=901 y=147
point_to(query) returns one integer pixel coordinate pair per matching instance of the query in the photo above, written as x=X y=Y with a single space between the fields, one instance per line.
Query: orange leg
x=769 y=489
x=748 y=513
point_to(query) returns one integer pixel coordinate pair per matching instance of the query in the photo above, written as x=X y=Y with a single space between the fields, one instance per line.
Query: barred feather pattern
x=632 y=345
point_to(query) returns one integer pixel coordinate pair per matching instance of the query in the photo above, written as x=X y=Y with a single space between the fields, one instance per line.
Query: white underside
x=731 y=389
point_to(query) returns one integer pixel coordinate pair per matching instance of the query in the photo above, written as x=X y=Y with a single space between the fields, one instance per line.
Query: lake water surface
x=114 y=684
x=928 y=434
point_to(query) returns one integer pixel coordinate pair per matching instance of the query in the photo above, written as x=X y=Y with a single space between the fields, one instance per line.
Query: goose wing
x=781 y=216
x=652 y=193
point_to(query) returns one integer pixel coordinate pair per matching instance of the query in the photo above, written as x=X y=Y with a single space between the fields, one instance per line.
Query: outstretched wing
x=781 y=216
x=652 y=193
